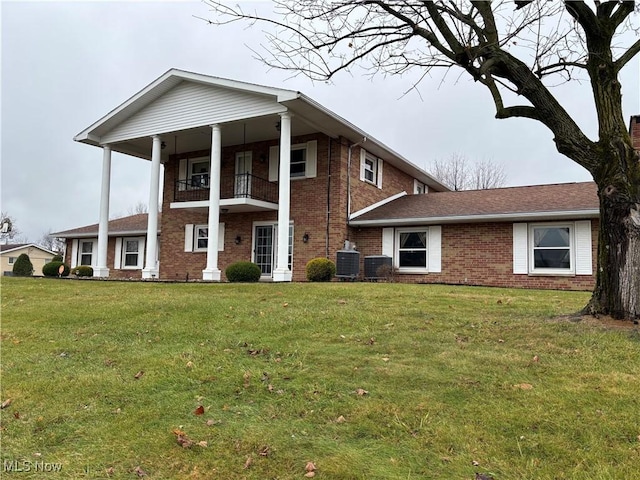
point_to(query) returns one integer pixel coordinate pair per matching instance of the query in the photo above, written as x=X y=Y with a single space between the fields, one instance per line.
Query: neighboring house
x=39 y=256
x=267 y=175
x=125 y=249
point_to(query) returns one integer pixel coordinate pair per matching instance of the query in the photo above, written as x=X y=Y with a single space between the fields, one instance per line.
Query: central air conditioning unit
x=347 y=264
x=377 y=267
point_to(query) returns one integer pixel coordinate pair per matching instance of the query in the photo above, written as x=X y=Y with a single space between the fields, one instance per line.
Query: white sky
x=67 y=64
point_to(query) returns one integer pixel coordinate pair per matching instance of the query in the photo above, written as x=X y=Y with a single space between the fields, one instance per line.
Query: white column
x=282 y=272
x=211 y=272
x=101 y=269
x=150 y=269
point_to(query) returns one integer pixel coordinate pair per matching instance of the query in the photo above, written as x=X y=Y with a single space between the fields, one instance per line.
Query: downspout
x=364 y=139
x=328 y=200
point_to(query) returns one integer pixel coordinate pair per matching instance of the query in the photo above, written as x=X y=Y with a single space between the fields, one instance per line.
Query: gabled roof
x=302 y=106
x=10 y=247
x=125 y=226
x=538 y=202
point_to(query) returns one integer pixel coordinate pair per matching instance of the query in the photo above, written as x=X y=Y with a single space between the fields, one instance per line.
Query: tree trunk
x=617 y=290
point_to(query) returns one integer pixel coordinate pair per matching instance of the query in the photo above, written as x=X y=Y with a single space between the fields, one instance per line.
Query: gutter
x=501 y=217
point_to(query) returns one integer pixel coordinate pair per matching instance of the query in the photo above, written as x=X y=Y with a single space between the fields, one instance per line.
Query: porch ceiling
x=234 y=133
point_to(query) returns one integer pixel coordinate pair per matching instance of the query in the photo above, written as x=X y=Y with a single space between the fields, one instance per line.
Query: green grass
x=277 y=368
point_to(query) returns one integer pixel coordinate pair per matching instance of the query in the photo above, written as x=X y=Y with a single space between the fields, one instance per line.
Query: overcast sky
x=67 y=64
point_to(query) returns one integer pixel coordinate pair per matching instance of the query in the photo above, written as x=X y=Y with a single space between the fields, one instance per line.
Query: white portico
x=184 y=112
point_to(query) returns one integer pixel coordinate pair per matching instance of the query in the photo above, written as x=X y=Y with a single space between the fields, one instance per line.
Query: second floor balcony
x=242 y=189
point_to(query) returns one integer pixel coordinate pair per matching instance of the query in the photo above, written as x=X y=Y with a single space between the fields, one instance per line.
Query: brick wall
x=111 y=251
x=318 y=208
x=479 y=254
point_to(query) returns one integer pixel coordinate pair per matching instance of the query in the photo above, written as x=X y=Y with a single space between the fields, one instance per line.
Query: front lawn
x=367 y=381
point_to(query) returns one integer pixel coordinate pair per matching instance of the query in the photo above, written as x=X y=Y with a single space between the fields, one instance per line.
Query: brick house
x=250 y=173
x=268 y=175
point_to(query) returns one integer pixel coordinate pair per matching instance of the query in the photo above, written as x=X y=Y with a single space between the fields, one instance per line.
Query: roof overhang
x=501 y=217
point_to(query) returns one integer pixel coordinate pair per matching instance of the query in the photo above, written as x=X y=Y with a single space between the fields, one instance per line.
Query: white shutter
x=583 y=248
x=312 y=159
x=379 y=183
x=274 y=157
x=188 y=237
x=74 y=253
x=520 y=249
x=142 y=252
x=221 y=237
x=387 y=242
x=118 y=254
x=182 y=174
x=363 y=155
x=435 y=249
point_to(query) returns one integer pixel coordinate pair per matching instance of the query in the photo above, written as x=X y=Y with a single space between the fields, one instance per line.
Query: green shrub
x=243 y=272
x=23 y=267
x=51 y=269
x=57 y=258
x=83 y=271
x=320 y=270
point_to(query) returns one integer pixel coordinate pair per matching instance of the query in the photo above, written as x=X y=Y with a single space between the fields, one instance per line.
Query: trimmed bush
x=23 y=267
x=320 y=270
x=83 y=271
x=57 y=258
x=243 y=272
x=51 y=269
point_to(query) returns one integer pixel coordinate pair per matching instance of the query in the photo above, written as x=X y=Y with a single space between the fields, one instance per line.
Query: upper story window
x=370 y=168
x=418 y=187
x=298 y=160
x=304 y=161
x=198 y=172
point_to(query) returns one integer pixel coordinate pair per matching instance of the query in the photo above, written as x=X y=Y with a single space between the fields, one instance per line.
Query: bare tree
x=487 y=174
x=52 y=243
x=459 y=174
x=138 y=208
x=516 y=50
x=8 y=229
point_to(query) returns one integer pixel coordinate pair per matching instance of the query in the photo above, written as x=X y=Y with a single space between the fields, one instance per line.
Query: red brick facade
x=318 y=208
x=479 y=254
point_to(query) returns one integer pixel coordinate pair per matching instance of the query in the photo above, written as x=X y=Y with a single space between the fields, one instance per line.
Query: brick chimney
x=634 y=131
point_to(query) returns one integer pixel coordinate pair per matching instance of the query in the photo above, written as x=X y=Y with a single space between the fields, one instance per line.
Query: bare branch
x=626 y=57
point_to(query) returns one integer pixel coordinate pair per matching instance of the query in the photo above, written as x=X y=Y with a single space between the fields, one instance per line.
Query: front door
x=243 y=175
x=265 y=250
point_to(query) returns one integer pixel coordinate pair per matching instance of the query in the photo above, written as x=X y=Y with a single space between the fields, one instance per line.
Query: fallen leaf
x=264 y=451
x=270 y=387
x=189 y=364
x=199 y=410
x=536 y=358
x=212 y=422
x=139 y=374
x=248 y=463
x=6 y=403
x=371 y=341
x=475 y=463
x=184 y=441
x=140 y=472
x=361 y=391
x=500 y=340
x=247 y=379
x=16 y=415
x=110 y=471
x=341 y=419
x=482 y=476
x=310 y=467
x=203 y=444
x=285 y=304
x=385 y=359
x=523 y=386
x=310 y=474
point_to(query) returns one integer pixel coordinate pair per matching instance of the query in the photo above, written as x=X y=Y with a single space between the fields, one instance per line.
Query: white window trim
x=580 y=243
x=377 y=168
x=119 y=259
x=94 y=252
x=274 y=225
x=12 y=260
x=311 y=160
x=417 y=186
x=572 y=251
x=191 y=239
x=396 y=250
